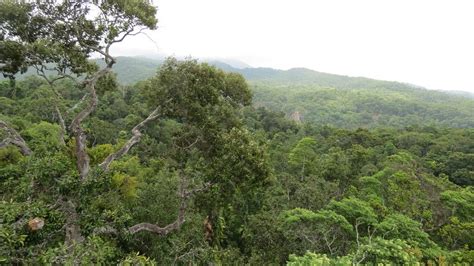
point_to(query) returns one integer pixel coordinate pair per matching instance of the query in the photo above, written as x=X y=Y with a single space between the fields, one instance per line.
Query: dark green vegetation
x=181 y=168
x=367 y=108
x=334 y=100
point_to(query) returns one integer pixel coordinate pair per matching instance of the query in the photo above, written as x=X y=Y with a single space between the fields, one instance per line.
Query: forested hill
x=304 y=76
x=130 y=70
x=354 y=102
x=133 y=69
x=178 y=162
x=335 y=100
x=366 y=107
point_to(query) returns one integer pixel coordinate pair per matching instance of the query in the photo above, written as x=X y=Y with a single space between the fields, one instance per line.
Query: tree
x=202 y=100
x=460 y=202
x=302 y=155
x=311 y=258
x=324 y=231
x=398 y=226
x=61 y=36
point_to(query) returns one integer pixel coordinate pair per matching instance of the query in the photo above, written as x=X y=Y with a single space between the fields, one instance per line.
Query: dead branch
x=40 y=70
x=63 y=126
x=184 y=195
x=136 y=136
x=77 y=104
x=73 y=230
x=105 y=230
x=14 y=138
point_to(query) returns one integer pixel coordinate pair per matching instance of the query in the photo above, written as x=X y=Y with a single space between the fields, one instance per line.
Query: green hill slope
x=133 y=69
x=335 y=100
x=367 y=108
x=353 y=102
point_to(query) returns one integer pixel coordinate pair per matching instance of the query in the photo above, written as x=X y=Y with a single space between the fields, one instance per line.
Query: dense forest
x=327 y=99
x=196 y=164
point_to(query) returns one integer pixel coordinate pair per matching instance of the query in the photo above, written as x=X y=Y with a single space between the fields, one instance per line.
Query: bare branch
x=153 y=41
x=168 y=228
x=105 y=230
x=359 y=246
x=77 y=104
x=14 y=138
x=357 y=231
x=190 y=145
x=328 y=244
x=40 y=70
x=62 y=124
x=73 y=230
x=128 y=33
x=136 y=136
x=40 y=67
x=184 y=195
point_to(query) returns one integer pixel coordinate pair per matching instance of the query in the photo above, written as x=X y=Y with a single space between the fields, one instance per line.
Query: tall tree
x=59 y=37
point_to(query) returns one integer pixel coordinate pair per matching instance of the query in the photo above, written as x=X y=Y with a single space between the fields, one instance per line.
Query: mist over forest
x=109 y=159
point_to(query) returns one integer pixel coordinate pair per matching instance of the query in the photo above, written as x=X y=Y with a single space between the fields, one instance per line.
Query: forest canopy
x=199 y=165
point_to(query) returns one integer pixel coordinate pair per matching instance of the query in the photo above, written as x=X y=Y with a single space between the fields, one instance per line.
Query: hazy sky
x=424 y=42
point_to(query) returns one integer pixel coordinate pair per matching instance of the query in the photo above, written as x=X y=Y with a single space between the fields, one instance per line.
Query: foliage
x=323 y=231
x=233 y=182
x=93 y=251
x=302 y=155
x=317 y=259
x=365 y=107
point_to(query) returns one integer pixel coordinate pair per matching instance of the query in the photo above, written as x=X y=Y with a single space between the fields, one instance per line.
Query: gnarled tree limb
x=62 y=124
x=73 y=230
x=81 y=138
x=184 y=194
x=105 y=230
x=14 y=138
x=76 y=125
x=136 y=136
x=40 y=70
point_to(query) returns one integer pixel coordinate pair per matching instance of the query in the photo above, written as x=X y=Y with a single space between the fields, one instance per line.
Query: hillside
x=132 y=69
x=336 y=100
x=129 y=69
x=273 y=181
x=367 y=108
x=329 y=99
x=179 y=161
x=355 y=102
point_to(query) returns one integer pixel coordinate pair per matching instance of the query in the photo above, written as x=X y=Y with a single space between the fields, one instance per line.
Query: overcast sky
x=425 y=42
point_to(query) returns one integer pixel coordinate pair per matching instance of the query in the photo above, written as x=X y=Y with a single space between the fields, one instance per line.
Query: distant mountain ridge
x=329 y=99
x=133 y=69
x=130 y=70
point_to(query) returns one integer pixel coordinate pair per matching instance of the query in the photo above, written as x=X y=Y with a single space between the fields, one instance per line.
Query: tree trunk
x=82 y=160
x=73 y=230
